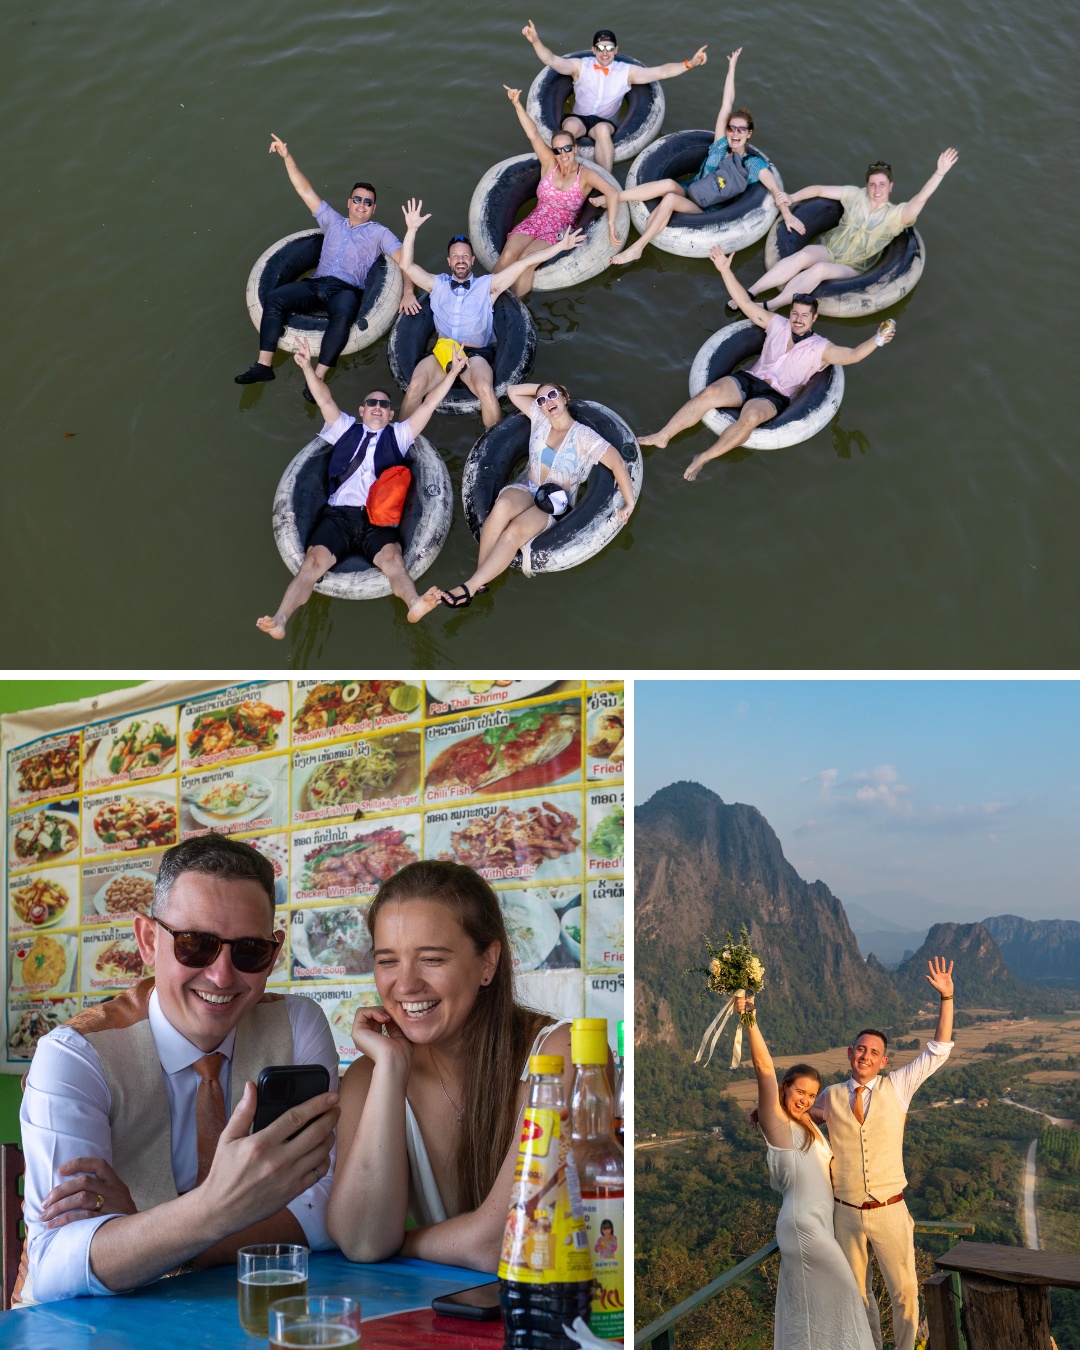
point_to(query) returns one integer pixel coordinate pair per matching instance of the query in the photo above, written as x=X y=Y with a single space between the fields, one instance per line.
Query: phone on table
x=480 y=1303
x=282 y=1086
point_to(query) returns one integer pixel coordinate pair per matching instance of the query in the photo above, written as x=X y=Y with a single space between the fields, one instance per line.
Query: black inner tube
x=748 y=342
x=682 y=153
x=412 y=336
x=299 y=256
x=558 y=88
x=499 y=453
x=820 y=214
x=516 y=185
x=309 y=498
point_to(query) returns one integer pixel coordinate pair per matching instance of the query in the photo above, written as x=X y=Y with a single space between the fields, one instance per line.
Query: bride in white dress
x=818 y=1305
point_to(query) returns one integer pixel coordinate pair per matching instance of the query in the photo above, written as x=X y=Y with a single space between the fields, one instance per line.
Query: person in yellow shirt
x=869 y=221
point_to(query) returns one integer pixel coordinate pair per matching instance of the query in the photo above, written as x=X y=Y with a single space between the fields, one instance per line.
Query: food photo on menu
x=338 y=785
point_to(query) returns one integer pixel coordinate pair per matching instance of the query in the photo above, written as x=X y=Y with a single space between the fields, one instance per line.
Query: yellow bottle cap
x=548 y=1064
x=588 y=1040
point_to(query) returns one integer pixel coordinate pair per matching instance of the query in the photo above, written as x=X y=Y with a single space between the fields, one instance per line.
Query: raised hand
x=734 y=56
x=940 y=976
x=529 y=32
x=721 y=260
x=573 y=239
x=411 y=212
x=302 y=355
x=744 y=1003
x=699 y=57
x=77 y=1197
x=514 y=95
x=278 y=146
x=946 y=160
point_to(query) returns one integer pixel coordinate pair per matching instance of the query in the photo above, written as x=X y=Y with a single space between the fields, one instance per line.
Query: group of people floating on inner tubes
x=364 y=275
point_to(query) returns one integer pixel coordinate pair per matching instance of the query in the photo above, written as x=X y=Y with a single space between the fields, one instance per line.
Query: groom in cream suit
x=866 y=1117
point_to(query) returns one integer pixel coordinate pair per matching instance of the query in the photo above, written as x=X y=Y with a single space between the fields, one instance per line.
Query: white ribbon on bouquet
x=715 y=1030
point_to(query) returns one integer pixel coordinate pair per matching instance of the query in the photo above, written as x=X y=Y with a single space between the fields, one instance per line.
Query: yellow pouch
x=444 y=351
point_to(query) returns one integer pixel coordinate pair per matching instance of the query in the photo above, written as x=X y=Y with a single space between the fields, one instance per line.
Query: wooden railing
x=660 y=1335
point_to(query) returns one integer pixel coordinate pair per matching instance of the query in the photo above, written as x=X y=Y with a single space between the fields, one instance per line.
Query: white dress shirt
x=354 y=491
x=906 y=1081
x=65 y=1115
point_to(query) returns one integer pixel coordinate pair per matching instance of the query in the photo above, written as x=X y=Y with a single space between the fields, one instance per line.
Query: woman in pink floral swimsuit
x=564 y=186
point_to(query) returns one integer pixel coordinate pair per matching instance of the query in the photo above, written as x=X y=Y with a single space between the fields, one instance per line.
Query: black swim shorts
x=589 y=120
x=346 y=529
x=754 y=387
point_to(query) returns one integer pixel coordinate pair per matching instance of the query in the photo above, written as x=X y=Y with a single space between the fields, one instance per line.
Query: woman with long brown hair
x=818 y=1302
x=429 y=1113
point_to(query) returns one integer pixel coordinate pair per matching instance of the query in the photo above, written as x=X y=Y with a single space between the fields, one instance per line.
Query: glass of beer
x=264 y=1274
x=297 y=1323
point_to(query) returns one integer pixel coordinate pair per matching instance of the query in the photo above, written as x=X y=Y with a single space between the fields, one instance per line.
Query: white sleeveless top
x=597 y=95
x=425 y=1202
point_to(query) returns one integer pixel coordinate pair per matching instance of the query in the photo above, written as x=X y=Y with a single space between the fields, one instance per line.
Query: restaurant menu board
x=339 y=784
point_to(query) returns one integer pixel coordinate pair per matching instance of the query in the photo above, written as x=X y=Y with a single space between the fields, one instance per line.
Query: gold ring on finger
x=100 y=1203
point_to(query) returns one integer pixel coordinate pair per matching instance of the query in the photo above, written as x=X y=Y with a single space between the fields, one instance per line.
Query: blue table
x=200 y=1309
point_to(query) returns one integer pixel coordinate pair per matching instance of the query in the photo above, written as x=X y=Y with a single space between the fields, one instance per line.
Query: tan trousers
x=890 y=1232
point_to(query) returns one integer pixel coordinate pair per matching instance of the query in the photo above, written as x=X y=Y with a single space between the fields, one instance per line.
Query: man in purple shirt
x=351 y=244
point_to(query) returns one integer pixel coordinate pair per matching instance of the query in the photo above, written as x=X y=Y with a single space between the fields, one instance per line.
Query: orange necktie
x=856 y=1105
x=209 y=1111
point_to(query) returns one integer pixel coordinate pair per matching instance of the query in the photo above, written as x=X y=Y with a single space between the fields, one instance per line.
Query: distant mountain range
x=1041 y=951
x=703 y=866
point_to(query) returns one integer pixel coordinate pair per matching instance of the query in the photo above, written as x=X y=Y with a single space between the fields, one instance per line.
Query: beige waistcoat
x=869 y=1157
x=120 y=1033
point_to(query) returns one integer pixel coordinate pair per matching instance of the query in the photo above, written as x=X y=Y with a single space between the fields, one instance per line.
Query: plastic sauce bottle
x=620 y=1079
x=545 y=1269
x=600 y=1165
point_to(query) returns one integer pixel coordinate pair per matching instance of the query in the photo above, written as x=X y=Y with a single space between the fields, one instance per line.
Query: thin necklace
x=459 y=1110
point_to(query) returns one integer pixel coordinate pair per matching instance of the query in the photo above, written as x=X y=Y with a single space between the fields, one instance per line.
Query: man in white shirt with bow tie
x=866 y=1117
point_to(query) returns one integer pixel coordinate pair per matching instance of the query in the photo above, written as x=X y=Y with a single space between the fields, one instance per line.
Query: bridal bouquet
x=733 y=969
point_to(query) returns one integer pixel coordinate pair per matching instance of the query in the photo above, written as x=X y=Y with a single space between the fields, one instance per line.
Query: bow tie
x=461 y=285
x=604 y=70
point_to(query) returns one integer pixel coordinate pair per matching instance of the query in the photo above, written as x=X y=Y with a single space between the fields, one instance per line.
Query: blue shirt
x=348 y=251
x=718 y=151
x=465 y=314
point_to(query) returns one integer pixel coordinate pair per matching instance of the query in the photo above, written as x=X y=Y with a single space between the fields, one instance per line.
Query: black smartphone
x=284 y=1085
x=480 y=1303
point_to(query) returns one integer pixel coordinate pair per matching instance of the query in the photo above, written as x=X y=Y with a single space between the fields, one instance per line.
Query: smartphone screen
x=480 y=1303
x=282 y=1086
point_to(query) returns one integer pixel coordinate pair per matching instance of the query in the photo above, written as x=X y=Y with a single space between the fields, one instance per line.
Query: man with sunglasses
x=463 y=307
x=369 y=454
x=601 y=84
x=351 y=244
x=791 y=356
x=136 y=1113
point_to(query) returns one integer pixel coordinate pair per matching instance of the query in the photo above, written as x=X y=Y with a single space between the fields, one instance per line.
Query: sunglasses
x=459 y=239
x=604 y=47
x=880 y=167
x=377 y=403
x=541 y=399
x=251 y=955
x=363 y=201
x=563 y=149
x=733 y=127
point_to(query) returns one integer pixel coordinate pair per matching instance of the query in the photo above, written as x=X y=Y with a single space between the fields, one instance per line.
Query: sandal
x=457 y=601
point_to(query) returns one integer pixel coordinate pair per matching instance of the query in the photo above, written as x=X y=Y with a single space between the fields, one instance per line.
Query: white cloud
x=880 y=797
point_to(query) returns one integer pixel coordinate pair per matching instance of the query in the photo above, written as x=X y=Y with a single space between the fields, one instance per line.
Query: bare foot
x=658 y=438
x=628 y=255
x=598 y=200
x=694 y=468
x=424 y=604
x=271 y=626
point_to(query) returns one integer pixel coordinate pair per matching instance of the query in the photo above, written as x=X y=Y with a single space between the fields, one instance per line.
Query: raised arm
x=413 y=221
x=540 y=147
x=851 y=356
x=612 y=460
x=503 y=280
x=941 y=979
x=646 y=74
x=564 y=65
x=320 y=392
x=422 y=416
x=300 y=182
x=754 y=312
x=946 y=160
x=592 y=182
x=728 y=100
x=522 y=395
x=774 y=1124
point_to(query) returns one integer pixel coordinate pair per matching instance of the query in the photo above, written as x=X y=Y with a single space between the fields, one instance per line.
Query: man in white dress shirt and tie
x=136 y=1113
x=866 y=1117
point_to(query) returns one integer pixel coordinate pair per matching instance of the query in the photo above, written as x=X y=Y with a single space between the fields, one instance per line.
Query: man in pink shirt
x=793 y=353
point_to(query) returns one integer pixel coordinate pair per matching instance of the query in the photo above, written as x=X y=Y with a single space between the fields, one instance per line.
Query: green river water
x=933 y=525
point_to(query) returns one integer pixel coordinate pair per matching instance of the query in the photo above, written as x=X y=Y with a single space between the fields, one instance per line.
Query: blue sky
x=919 y=800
